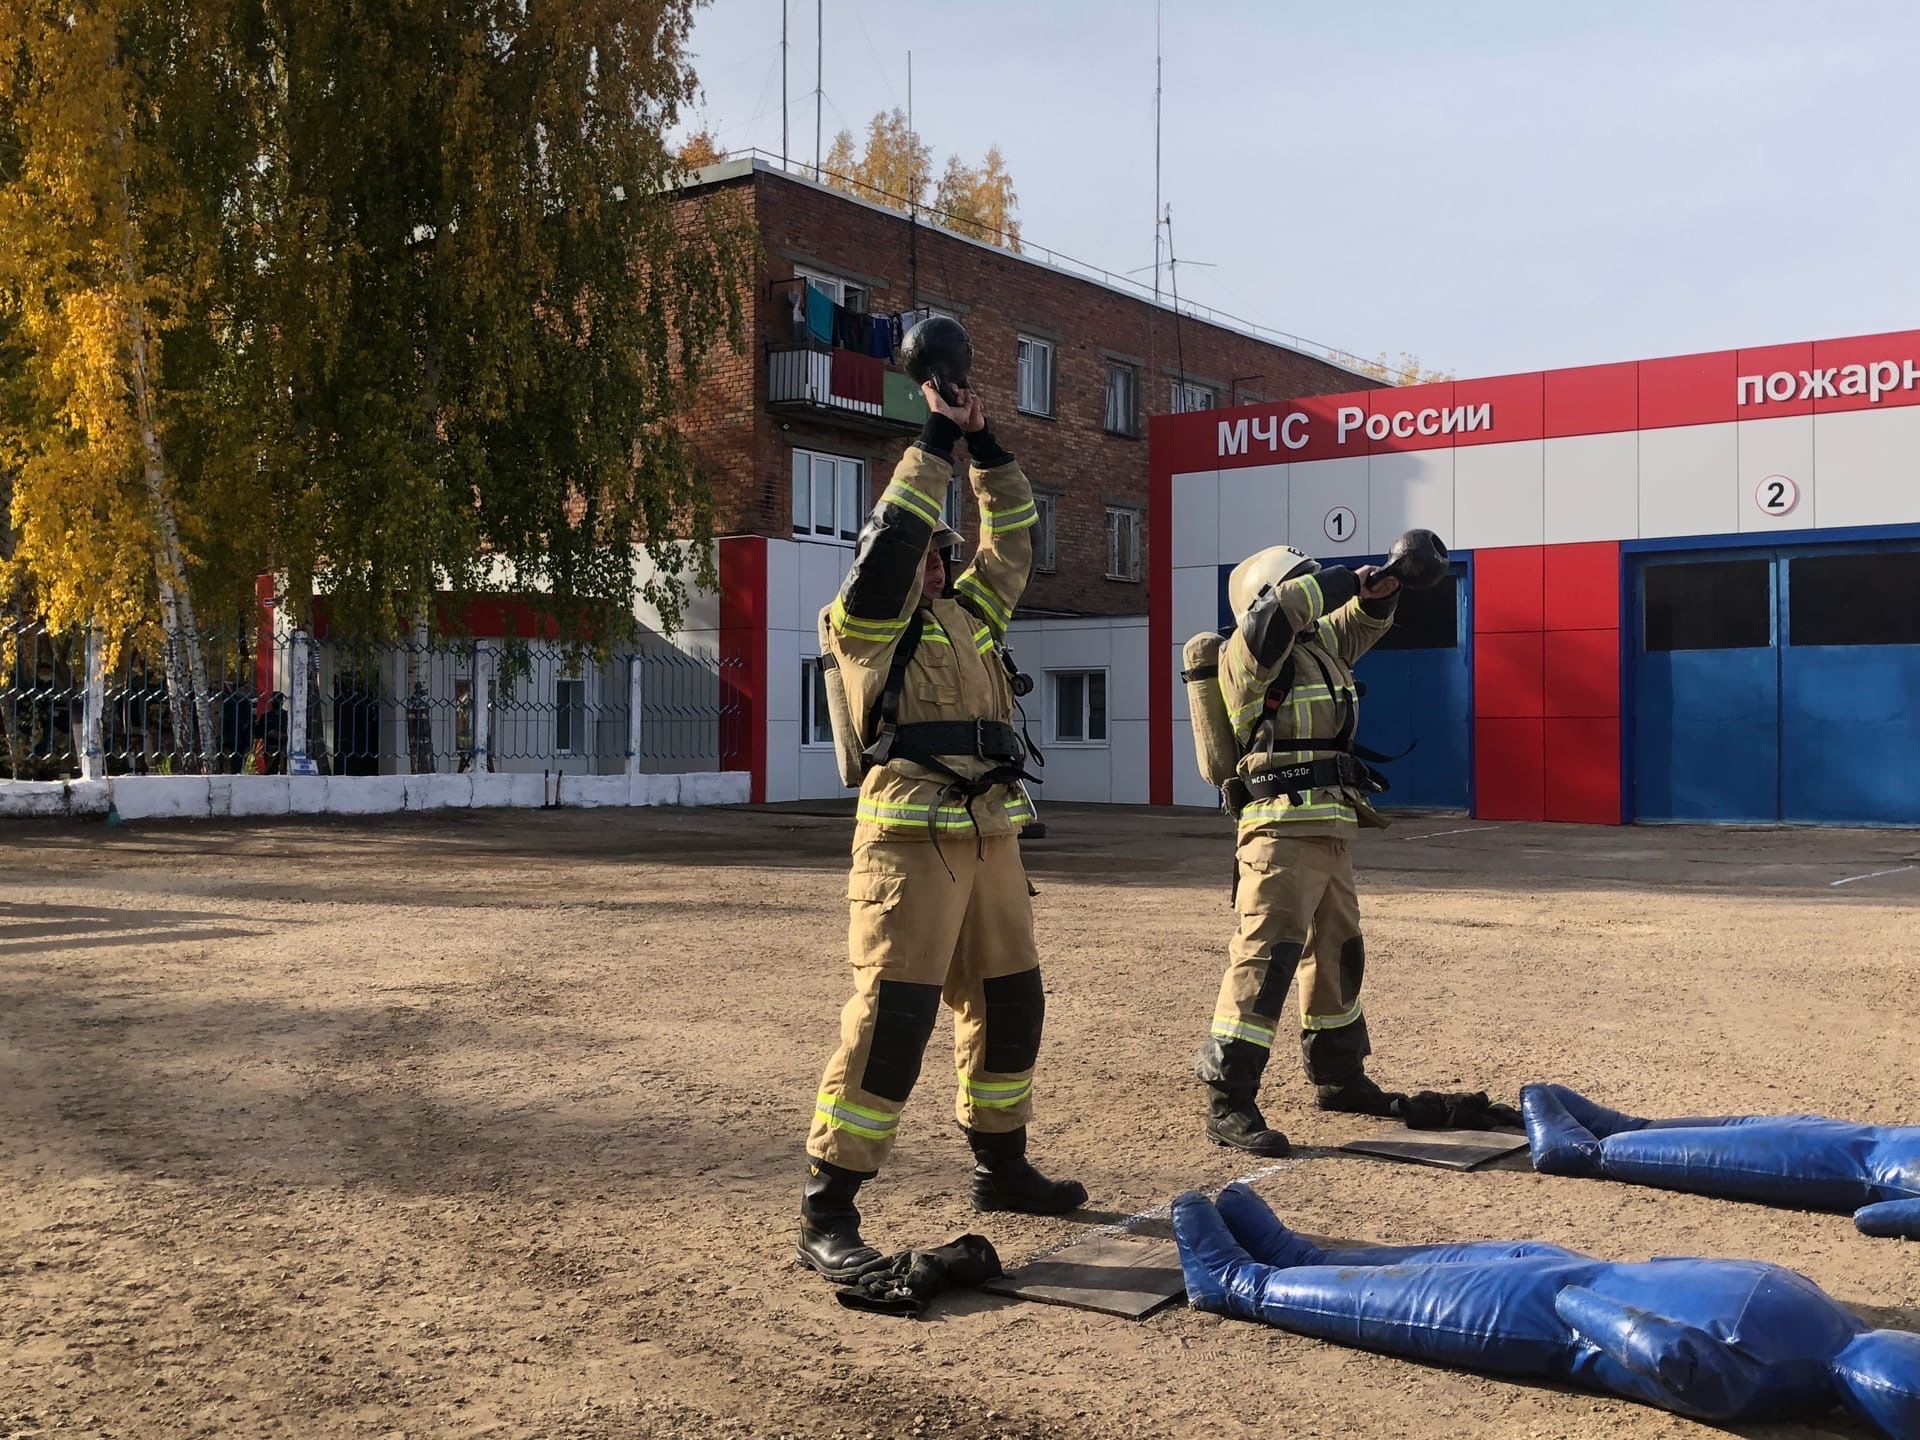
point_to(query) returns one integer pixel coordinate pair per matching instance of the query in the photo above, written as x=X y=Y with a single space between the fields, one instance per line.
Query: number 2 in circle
x=1776 y=495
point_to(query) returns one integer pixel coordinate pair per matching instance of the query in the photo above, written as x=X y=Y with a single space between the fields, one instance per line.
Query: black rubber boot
x=830 y=1225
x=1235 y=1121
x=1358 y=1096
x=1003 y=1180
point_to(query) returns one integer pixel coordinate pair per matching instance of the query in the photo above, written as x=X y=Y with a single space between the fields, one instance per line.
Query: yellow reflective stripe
x=935 y=637
x=1263 y=812
x=995 y=608
x=1319 y=595
x=1227 y=1028
x=983 y=640
x=995 y=1094
x=861 y=629
x=841 y=1114
x=1246 y=711
x=949 y=817
x=904 y=495
x=1329 y=1022
x=1000 y=522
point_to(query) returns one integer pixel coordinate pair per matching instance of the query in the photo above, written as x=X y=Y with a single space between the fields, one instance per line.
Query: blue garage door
x=1417 y=690
x=1779 y=684
x=1418 y=695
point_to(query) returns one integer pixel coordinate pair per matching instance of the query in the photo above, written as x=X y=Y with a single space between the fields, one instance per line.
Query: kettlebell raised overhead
x=938 y=349
x=1418 y=560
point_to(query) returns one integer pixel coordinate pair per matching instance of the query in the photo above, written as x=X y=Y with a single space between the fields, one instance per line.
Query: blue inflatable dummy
x=1872 y=1170
x=1715 y=1339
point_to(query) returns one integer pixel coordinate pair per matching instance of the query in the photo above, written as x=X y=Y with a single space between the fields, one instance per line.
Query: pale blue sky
x=1493 y=186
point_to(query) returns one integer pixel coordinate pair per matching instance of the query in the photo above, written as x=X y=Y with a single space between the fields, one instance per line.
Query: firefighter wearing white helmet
x=1284 y=677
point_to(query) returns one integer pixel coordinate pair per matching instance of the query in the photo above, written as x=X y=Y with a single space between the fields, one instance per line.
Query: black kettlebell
x=938 y=349
x=1418 y=560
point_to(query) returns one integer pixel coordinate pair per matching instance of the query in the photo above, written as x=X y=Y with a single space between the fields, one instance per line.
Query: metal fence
x=430 y=706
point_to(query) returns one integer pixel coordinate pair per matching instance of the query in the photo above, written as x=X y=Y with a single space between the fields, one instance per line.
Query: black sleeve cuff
x=938 y=435
x=1338 y=585
x=1381 y=607
x=985 y=450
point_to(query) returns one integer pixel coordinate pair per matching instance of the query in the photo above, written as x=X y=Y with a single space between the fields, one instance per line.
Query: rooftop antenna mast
x=783 y=82
x=1156 y=151
x=819 y=69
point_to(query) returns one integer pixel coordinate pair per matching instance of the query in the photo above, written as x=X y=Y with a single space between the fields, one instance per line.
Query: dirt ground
x=490 y=1124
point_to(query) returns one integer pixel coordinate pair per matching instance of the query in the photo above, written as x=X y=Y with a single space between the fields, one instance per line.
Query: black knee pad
x=1282 y=960
x=1016 y=1008
x=1353 y=968
x=902 y=1023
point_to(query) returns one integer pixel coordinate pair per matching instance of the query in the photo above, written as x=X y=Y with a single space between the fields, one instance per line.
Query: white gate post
x=93 y=710
x=636 y=692
x=299 y=651
x=482 y=707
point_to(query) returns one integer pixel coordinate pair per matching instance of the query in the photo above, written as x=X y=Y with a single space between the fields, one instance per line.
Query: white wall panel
x=822 y=567
x=1868 y=465
x=1314 y=488
x=783 y=759
x=784 y=648
x=1129 y=755
x=1592 y=488
x=1687 y=481
x=1253 y=511
x=784 y=611
x=1196 y=601
x=1407 y=490
x=1127 y=675
x=1196 y=517
x=1780 y=447
x=1499 y=495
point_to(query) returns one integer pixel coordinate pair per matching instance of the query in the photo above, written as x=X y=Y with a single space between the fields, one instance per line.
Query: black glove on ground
x=909 y=1281
x=1457 y=1110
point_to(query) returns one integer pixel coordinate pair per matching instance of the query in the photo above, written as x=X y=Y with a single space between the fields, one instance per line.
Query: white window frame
x=1121 y=550
x=1026 y=349
x=1186 y=392
x=1086 y=678
x=573 y=713
x=816 y=723
x=1046 y=531
x=1131 y=426
x=848 y=494
x=837 y=288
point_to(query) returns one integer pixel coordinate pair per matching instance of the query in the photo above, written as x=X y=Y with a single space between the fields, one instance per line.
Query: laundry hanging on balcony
x=820 y=315
x=881 y=337
x=860 y=379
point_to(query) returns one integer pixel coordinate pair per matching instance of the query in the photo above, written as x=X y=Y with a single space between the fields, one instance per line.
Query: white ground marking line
x=1465 y=830
x=1875 y=875
x=1159 y=1212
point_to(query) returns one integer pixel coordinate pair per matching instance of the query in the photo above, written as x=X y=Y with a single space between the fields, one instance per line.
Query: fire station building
x=1684 y=589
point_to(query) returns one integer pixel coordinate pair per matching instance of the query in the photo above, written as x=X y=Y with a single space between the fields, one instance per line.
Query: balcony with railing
x=827 y=372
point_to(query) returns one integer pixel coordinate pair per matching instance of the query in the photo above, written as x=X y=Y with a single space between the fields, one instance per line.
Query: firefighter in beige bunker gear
x=938 y=898
x=1286 y=675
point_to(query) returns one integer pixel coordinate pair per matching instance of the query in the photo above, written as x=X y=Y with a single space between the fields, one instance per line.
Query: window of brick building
x=1043 y=532
x=1123 y=543
x=829 y=495
x=1189 y=396
x=1079 y=707
x=816 y=724
x=1035 y=366
x=850 y=293
x=1123 y=400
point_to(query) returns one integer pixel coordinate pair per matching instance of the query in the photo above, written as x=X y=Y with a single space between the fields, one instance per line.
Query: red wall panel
x=743 y=645
x=1509 y=775
x=1592 y=399
x=1769 y=360
x=1391 y=402
x=1509 y=675
x=1582 y=674
x=1519 y=407
x=1582 y=586
x=1866 y=350
x=1507 y=590
x=1583 y=770
x=1688 y=389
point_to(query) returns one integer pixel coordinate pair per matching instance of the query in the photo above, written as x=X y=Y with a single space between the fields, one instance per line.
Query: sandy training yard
x=490 y=1123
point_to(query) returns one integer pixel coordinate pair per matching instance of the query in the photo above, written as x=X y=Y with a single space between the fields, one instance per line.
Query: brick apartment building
x=799 y=434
